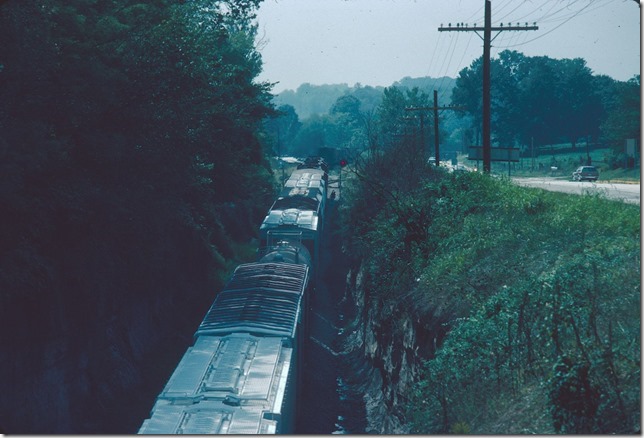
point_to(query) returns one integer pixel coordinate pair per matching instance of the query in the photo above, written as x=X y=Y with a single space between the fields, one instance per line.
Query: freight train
x=243 y=373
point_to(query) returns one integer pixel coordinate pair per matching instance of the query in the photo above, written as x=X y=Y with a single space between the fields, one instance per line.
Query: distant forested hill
x=311 y=99
x=443 y=85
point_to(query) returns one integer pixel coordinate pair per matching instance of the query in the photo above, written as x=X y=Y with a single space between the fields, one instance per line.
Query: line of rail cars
x=299 y=209
x=242 y=374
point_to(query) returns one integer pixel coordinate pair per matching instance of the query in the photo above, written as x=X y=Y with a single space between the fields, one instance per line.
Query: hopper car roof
x=299 y=199
x=260 y=298
x=303 y=220
x=302 y=177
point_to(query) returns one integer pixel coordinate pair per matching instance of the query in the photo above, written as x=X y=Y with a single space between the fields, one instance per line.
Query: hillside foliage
x=536 y=102
x=132 y=169
x=531 y=298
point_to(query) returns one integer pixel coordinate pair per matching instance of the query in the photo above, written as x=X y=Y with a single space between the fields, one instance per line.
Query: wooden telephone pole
x=434 y=108
x=487 y=41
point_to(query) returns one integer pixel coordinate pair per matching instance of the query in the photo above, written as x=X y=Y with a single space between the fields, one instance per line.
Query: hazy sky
x=378 y=42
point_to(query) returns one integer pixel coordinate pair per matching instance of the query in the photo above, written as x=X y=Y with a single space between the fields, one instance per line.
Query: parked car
x=589 y=173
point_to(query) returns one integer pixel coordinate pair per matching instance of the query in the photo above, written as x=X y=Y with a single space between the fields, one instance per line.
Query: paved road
x=622 y=192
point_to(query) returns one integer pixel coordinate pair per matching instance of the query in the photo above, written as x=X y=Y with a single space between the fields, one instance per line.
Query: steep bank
x=387 y=347
x=488 y=308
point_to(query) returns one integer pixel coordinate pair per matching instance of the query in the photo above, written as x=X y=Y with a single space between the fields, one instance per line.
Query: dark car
x=589 y=173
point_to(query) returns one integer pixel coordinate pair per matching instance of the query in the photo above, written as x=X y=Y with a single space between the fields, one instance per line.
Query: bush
x=539 y=292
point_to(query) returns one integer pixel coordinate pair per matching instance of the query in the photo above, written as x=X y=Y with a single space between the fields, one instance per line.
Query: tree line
x=542 y=101
x=133 y=170
x=348 y=122
x=535 y=101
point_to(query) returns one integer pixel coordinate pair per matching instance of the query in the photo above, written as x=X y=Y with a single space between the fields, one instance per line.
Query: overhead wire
x=504 y=41
x=459 y=65
x=450 y=49
x=475 y=14
x=446 y=56
x=443 y=71
x=503 y=6
x=509 y=13
x=553 y=13
x=450 y=53
x=433 y=55
x=549 y=16
x=574 y=14
x=523 y=18
x=553 y=29
x=555 y=16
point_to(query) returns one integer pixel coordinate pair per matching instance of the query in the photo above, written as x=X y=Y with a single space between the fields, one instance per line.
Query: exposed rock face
x=393 y=342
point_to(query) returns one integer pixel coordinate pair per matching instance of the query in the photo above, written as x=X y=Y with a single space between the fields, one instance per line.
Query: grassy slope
x=540 y=292
x=565 y=162
x=548 y=278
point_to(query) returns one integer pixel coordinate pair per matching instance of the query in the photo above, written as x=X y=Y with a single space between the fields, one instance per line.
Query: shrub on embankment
x=132 y=172
x=533 y=298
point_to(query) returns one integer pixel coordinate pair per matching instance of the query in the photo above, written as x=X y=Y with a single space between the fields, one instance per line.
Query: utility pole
x=487 y=42
x=436 y=127
x=435 y=109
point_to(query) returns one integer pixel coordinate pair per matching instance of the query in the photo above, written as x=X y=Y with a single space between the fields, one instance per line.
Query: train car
x=242 y=374
x=285 y=251
x=307 y=176
x=314 y=163
x=299 y=226
x=305 y=190
x=298 y=213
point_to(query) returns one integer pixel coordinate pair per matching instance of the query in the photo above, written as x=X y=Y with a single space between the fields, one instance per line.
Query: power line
x=433 y=54
x=503 y=6
x=435 y=109
x=487 y=40
x=523 y=18
x=460 y=63
x=571 y=14
x=551 y=30
x=517 y=7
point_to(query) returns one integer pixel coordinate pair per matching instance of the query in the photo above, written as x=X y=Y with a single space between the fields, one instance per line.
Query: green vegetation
x=566 y=162
x=309 y=100
x=542 y=105
x=343 y=117
x=543 y=101
x=133 y=173
x=630 y=176
x=532 y=297
x=525 y=303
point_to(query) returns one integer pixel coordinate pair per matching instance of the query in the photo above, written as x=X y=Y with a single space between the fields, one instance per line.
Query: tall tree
x=282 y=129
x=533 y=98
x=580 y=106
x=129 y=141
x=624 y=113
x=468 y=92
